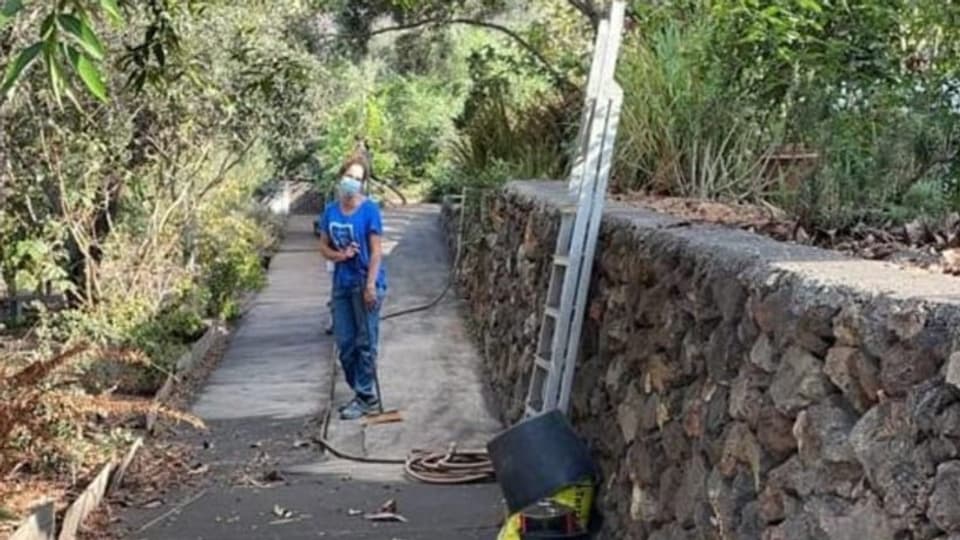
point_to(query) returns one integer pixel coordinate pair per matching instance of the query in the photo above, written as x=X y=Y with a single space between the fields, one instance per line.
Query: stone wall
x=731 y=386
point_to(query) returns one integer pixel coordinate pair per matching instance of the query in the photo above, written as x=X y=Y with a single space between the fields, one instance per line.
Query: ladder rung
x=541 y=362
x=561 y=260
x=551 y=311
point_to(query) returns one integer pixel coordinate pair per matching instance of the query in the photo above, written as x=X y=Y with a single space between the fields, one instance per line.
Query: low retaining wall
x=732 y=386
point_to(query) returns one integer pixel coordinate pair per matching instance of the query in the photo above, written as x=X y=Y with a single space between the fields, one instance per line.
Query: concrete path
x=265 y=401
x=428 y=366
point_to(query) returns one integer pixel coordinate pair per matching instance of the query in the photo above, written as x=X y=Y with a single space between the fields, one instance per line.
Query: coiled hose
x=450 y=467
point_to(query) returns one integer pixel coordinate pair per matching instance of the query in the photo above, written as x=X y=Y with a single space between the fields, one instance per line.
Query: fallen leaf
x=300 y=444
x=281 y=512
x=389 y=506
x=199 y=468
x=301 y=517
x=354 y=512
x=153 y=503
x=385 y=516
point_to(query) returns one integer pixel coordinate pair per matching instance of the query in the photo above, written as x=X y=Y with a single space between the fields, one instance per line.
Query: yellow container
x=578 y=497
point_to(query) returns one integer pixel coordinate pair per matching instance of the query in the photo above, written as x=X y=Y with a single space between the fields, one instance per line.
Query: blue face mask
x=349 y=187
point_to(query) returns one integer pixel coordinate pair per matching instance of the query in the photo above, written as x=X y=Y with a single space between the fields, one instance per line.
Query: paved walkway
x=277 y=378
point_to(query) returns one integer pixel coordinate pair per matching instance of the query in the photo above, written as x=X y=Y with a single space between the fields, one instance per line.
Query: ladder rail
x=606 y=50
x=593 y=83
x=572 y=350
x=544 y=390
x=580 y=238
x=610 y=97
x=562 y=320
x=608 y=68
x=548 y=321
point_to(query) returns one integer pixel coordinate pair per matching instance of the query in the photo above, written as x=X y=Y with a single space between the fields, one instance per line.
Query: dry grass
x=933 y=245
x=20 y=495
x=52 y=434
x=706 y=211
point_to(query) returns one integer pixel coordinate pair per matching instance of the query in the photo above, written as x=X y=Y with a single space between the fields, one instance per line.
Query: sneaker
x=358 y=408
x=344 y=406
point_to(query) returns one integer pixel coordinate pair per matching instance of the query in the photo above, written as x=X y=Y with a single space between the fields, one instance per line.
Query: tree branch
x=226 y=166
x=589 y=10
x=557 y=76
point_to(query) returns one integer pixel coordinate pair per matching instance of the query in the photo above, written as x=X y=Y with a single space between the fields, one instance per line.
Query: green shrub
x=713 y=86
x=235 y=269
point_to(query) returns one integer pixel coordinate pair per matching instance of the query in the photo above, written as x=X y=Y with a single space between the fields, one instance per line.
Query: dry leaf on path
x=281 y=512
x=385 y=516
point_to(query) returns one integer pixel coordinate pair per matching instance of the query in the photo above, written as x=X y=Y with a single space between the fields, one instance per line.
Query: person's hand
x=347 y=253
x=370 y=297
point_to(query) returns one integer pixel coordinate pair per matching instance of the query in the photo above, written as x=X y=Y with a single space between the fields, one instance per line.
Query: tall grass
x=528 y=142
x=682 y=131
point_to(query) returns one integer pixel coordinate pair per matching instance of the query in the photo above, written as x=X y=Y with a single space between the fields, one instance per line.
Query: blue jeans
x=357 y=331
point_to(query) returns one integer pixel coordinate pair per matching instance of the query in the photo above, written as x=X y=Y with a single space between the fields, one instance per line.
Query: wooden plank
x=41 y=524
x=158 y=400
x=86 y=503
x=121 y=471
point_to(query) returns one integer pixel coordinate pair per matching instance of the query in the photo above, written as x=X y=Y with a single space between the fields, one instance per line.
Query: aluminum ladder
x=555 y=358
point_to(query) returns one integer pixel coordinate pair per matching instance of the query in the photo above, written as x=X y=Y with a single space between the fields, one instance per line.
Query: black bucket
x=537 y=458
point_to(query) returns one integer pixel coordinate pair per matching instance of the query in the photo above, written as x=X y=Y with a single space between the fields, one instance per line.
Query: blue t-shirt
x=342 y=230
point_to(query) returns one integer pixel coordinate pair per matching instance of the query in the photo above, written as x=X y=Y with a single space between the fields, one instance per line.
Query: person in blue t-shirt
x=351 y=232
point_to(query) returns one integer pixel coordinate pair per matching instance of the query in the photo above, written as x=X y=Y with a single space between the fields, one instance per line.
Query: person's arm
x=326 y=246
x=374 y=234
x=376 y=256
x=328 y=252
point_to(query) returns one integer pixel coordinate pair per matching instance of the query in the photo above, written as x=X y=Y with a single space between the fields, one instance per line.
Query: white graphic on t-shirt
x=341 y=234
